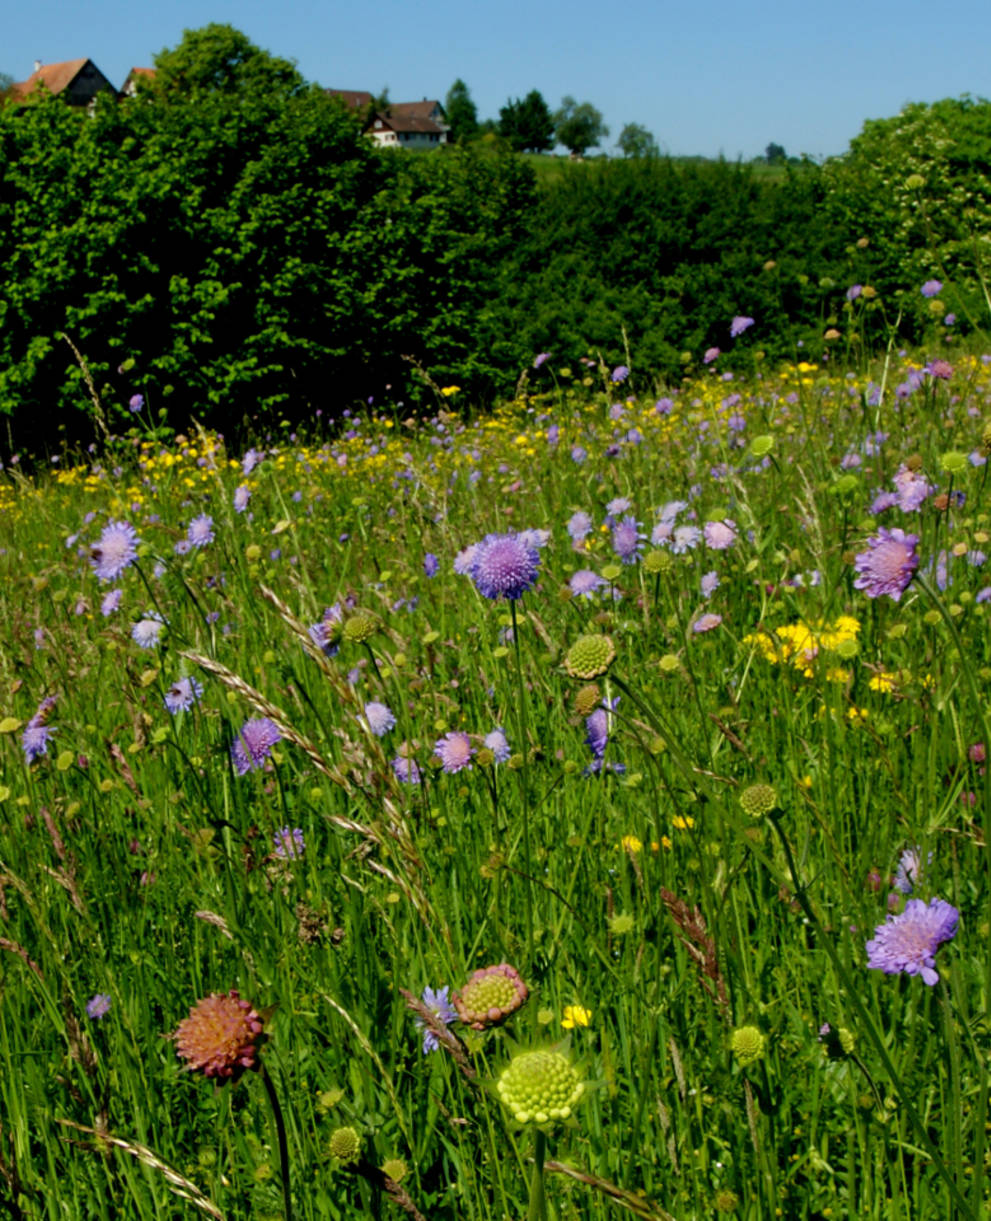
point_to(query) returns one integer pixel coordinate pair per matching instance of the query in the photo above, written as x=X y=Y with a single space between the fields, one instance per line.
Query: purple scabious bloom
x=35 y=739
x=182 y=695
x=464 y=560
x=242 y=495
x=888 y=563
x=498 y=743
x=706 y=622
x=619 y=374
x=200 y=531
x=913 y=489
x=98 y=1006
x=597 y=727
x=908 y=942
x=854 y=291
x=685 y=538
x=711 y=354
x=454 y=750
x=407 y=770
x=882 y=501
x=540 y=359
x=116 y=550
x=379 y=718
x=931 y=288
x=585 y=582
x=579 y=526
x=620 y=504
x=136 y=402
x=442 y=1009
x=740 y=324
x=909 y=872
x=110 y=603
x=146 y=632
x=578 y=454
x=661 y=534
x=251 y=460
x=430 y=564
x=326 y=633
x=253 y=745
x=709 y=584
x=505 y=566
x=627 y=540
x=719 y=535
x=289 y=844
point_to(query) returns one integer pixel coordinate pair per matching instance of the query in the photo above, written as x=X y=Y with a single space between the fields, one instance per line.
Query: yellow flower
x=448 y=391
x=682 y=823
x=630 y=844
x=575 y=1015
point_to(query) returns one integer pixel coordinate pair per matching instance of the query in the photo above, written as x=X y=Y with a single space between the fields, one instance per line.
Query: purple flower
x=182 y=695
x=136 y=402
x=854 y=291
x=585 y=582
x=35 y=739
x=908 y=942
x=719 y=535
x=579 y=526
x=251 y=460
x=253 y=745
x=242 y=495
x=430 y=564
x=379 y=718
x=620 y=504
x=407 y=771
x=200 y=531
x=442 y=1009
x=709 y=584
x=627 y=541
x=706 y=622
x=116 y=550
x=110 y=603
x=497 y=742
x=888 y=563
x=909 y=872
x=98 y=1006
x=454 y=750
x=505 y=566
x=326 y=634
x=620 y=373
x=578 y=454
x=949 y=319
x=740 y=324
x=289 y=843
x=685 y=538
x=540 y=359
x=597 y=726
x=932 y=288
x=710 y=355
x=464 y=560
x=146 y=631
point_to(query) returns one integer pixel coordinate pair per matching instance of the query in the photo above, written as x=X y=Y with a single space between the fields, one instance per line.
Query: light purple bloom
x=620 y=373
x=685 y=538
x=454 y=750
x=379 y=718
x=497 y=742
x=440 y=1006
x=464 y=560
x=627 y=540
x=579 y=526
x=253 y=745
x=711 y=354
x=200 y=531
x=740 y=324
x=110 y=603
x=709 y=584
x=35 y=739
x=242 y=495
x=719 y=535
x=116 y=550
x=909 y=872
x=98 y=1006
x=578 y=454
x=146 y=632
x=585 y=582
x=136 y=402
x=251 y=460
x=620 y=504
x=888 y=563
x=932 y=288
x=661 y=534
x=908 y=942
x=540 y=359
x=706 y=622
x=505 y=566
x=854 y=291
x=289 y=844
x=430 y=564
x=182 y=695
x=326 y=634
x=407 y=770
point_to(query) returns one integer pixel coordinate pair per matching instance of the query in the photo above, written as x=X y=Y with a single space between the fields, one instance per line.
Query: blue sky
x=709 y=77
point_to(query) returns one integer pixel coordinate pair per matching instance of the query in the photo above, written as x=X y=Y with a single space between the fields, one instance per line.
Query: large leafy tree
x=579 y=126
x=636 y=141
x=461 y=111
x=527 y=125
x=220 y=59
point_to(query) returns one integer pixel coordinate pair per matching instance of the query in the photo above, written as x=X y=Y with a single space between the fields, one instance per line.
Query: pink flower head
x=221 y=1037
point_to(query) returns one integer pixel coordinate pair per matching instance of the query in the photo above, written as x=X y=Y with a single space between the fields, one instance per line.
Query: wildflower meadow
x=574 y=810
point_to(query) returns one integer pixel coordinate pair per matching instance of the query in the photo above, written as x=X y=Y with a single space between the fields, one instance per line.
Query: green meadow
x=284 y=720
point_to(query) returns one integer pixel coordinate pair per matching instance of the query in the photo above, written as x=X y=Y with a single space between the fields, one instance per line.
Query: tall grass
x=685 y=937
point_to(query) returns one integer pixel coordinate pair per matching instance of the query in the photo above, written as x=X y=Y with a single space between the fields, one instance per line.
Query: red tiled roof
x=54 y=77
x=409 y=123
x=415 y=110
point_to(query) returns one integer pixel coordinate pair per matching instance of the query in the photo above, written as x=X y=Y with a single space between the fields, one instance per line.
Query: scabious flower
x=200 y=531
x=627 y=541
x=182 y=695
x=251 y=460
x=253 y=744
x=438 y=1002
x=685 y=538
x=288 y=843
x=37 y=733
x=585 y=582
x=740 y=324
x=539 y=1086
x=719 y=535
x=98 y=1006
x=579 y=526
x=110 y=603
x=242 y=495
x=706 y=622
x=505 y=566
x=116 y=549
x=146 y=632
x=221 y=1037
x=430 y=564
x=888 y=563
x=908 y=942
x=379 y=718
x=541 y=358
x=913 y=488
x=931 y=288
x=490 y=996
x=406 y=770
x=910 y=868
x=711 y=354
x=464 y=560
x=709 y=584
x=619 y=374
x=454 y=751
x=136 y=402
x=326 y=634
x=497 y=742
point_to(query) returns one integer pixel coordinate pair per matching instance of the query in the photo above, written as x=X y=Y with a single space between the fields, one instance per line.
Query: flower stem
x=521 y=722
x=538 y=1201
x=280 y=1129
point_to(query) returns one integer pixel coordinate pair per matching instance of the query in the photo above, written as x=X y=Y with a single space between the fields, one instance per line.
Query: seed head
x=747 y=1044
x=590 y=656
x=395 y=1168
x=490 y=996
x=539 y=1086
x=360 y=626
x=587 y=699
x=345 y=1145
x=758 y=800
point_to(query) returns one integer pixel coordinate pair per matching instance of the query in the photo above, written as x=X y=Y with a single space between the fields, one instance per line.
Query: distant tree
x=636 y=141
x=220 y=59
x=461 y=111
x=775 y=154
x=579 y=126
x=528 y=124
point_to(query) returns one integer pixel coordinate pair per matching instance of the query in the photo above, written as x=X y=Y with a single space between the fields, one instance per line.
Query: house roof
x=416 y=110
x=353 y=99
x=409 y=123
x=54 y=77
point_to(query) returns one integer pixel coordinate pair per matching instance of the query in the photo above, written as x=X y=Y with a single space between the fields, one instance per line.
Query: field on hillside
x=577 y=811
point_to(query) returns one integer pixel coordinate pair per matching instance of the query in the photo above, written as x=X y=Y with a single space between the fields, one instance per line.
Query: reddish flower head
x=221 y=1036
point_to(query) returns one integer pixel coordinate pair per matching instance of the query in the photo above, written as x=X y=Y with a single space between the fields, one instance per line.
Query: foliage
x=461 y=111
x=527 y=125
x=220 y=59
x=636 y=141
x=775 y=154
x=579 y=126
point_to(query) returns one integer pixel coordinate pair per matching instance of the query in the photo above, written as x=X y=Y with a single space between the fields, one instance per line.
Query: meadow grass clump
x=679 y=707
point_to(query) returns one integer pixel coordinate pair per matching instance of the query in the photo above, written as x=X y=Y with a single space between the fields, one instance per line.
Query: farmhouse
x=399 y=124
x=76 y=80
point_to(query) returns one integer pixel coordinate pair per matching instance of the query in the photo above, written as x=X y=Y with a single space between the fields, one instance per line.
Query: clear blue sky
x=705 y=76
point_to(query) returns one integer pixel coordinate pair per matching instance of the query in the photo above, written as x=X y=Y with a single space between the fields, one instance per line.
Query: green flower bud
x=345 y=1145
x=590 y=656
x=539 y=1086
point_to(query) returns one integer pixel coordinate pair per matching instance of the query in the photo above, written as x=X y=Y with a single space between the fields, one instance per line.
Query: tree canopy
x=527 y=125
x=461 y=111
x=579 y=126
x=636 y=141
x=219 y=58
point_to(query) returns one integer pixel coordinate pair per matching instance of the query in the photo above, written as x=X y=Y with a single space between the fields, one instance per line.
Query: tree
x=579 y=126
x=461 y=111
x=220 y=59
x=775 y=154
x=527 y=125
x=636 y=141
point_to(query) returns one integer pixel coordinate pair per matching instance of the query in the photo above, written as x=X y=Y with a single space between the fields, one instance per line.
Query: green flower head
x=590 y=656
x=345 y=1145
x=360 y=626
x=490 y=996
x=539 y=1086
x=747 y=1044
x=758 y=800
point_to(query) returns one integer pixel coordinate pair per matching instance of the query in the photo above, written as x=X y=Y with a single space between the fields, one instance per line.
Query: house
x=409 y=125
x=76 y=80
x=130 y=86
x=351 y=99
